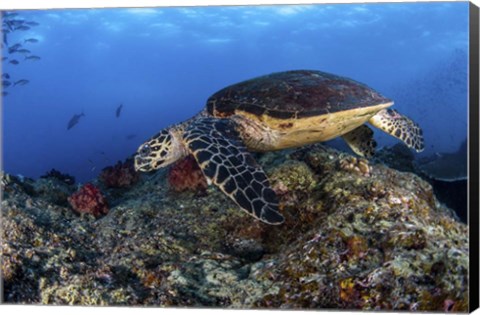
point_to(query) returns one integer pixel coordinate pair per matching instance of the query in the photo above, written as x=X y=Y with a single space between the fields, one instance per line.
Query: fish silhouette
x=31 y=40
x=32 y=23
x=21 y=82
x=23 y=51
x=22 y=28
x=119 y=110
x=32 y=58
x=7 y=14
x=74 y=120
x=15 y=47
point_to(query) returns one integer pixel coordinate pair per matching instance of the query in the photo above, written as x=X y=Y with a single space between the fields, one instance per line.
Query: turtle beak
x=142 y=164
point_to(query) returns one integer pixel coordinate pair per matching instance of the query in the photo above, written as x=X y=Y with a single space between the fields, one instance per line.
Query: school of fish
x=15 y=54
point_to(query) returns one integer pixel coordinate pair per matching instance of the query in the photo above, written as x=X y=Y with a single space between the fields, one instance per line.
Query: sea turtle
x=272 y=112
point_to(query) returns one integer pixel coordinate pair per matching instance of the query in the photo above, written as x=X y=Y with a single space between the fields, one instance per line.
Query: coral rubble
x=357 y=235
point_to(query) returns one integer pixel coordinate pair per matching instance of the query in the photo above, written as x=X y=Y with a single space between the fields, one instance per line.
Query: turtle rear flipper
x=224 y=160
x=361 y=141
x=399 y=126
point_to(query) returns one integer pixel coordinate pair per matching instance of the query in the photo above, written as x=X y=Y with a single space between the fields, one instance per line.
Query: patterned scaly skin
x=399 y=126
x=223 y=158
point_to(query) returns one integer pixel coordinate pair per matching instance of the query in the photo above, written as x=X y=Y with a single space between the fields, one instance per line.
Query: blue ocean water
x=163 y=63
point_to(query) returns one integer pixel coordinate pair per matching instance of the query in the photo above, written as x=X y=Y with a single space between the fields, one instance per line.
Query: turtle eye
x=145 y=150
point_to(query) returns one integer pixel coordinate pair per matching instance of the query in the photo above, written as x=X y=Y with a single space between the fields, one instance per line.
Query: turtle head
x=161 y=150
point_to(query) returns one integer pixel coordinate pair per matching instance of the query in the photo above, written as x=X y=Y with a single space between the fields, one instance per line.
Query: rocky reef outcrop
x=120 y=175
x=357 y=235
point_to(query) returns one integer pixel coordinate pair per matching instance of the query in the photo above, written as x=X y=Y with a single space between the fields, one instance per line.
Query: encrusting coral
x=357 y=235
x=119 y=175
x=186 y=175
x=89 y=199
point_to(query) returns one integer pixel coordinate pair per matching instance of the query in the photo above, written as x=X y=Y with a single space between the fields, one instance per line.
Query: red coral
x=120 y=175
x=186 y=175
x=89 y=199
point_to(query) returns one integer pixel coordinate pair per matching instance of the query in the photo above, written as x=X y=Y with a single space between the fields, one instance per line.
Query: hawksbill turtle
x=273 y=112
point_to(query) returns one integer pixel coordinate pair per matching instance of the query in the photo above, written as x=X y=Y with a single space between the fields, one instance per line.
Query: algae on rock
x=357 y=235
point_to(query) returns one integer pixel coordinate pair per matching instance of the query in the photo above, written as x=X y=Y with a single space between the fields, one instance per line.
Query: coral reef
x=357 y=165
x=90 y=200
x=119 y=175
x=399 y=157
x=186 y=175
x=53 y=190
x=445 y=172
x=357 y=235
x=12 y=184
x=53 y=173
x=49 y=188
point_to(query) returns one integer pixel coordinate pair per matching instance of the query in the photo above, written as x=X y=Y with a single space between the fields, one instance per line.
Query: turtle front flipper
x=361 y=141
x=399 y=126
x=225 y=161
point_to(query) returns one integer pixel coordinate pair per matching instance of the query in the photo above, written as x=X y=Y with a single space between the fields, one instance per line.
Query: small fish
x=14 y=47
x=15 y=22
x=74 y=120
x=9 y=26
x=93 y=165
x=22 y=28
x=9 y=14
x=14 y=62
x=4 y=58
x=6 y=83
x=130 y=137
x=119 y=110
x=4 y=93
x=5 y=40
x=31 y=40
x=5 y=75
x=32 y=58
x=21 y=82
x=23 y=51
x=32 y=23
